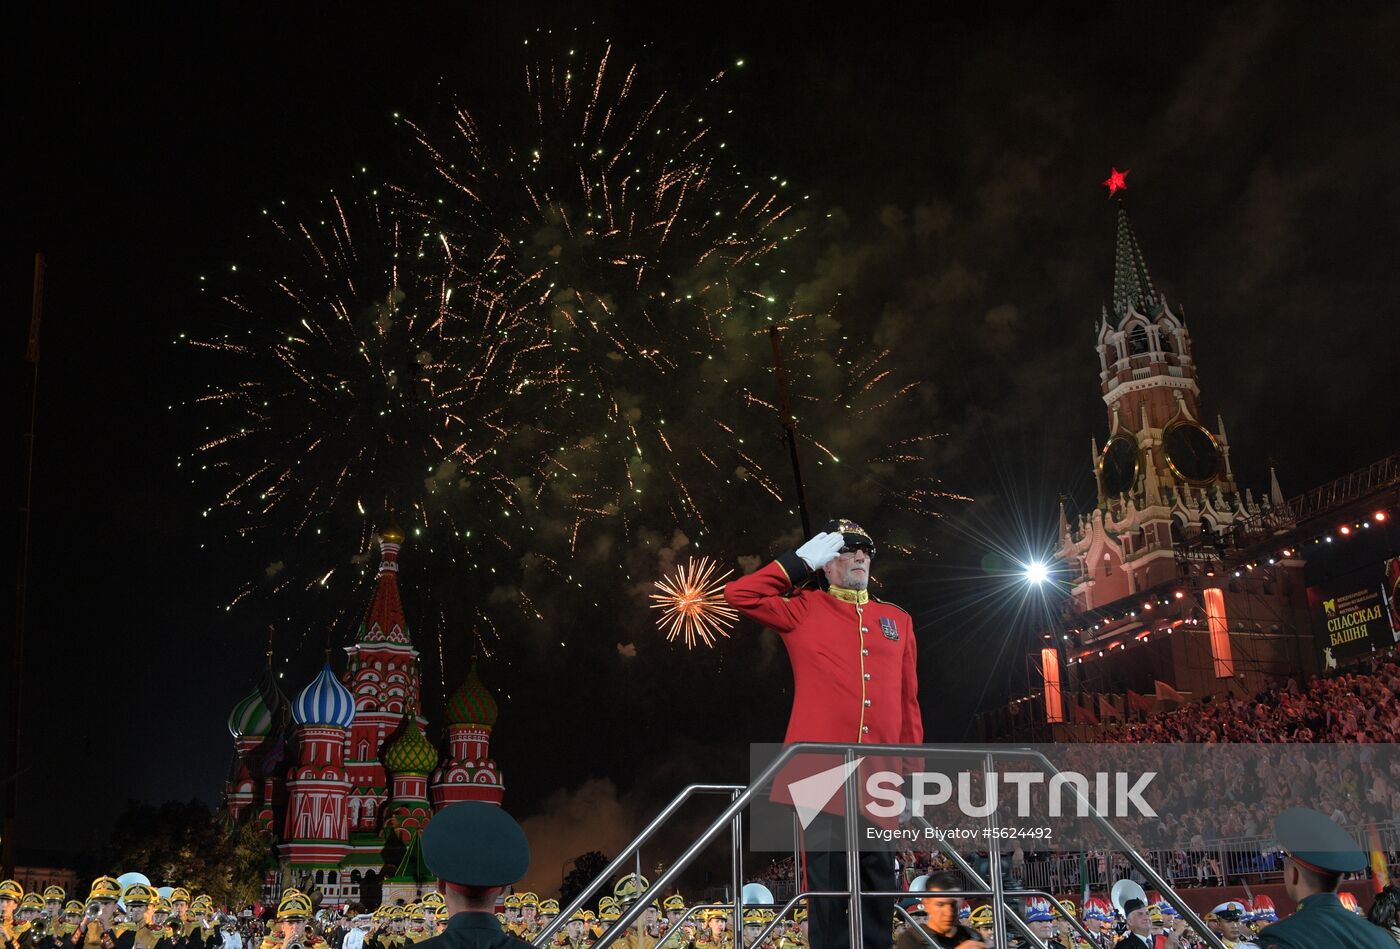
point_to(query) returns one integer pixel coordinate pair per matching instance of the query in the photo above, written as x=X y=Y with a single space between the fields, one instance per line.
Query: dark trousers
x=824 y=843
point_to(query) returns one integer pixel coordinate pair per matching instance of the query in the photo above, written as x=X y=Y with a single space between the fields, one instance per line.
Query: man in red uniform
x=855 y=679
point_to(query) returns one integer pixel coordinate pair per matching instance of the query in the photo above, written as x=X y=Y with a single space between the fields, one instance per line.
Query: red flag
x=1139 y=703
x=1166 y=693
x=1084 y=714
x=1107 y=709
x=1380 y=870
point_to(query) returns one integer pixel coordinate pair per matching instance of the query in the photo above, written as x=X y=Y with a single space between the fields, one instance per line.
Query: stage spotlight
x=1379 y=516
x=1036 y=572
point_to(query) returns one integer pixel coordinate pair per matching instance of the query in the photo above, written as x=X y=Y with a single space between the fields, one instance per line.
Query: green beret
x=473 y=843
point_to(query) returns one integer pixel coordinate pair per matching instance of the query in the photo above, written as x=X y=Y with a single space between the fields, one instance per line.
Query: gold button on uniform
x=867 y=703
x=865 y=652
x=867 y=678
x=865 y=729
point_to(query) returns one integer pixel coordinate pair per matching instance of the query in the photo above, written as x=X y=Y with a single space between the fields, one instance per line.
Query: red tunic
x=854 y=667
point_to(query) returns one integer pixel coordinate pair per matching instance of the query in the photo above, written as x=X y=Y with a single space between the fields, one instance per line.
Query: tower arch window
x=1137 y=340
x=1167 y=338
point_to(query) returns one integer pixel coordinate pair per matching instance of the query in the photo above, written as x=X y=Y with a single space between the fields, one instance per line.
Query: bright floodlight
x=1036 y=572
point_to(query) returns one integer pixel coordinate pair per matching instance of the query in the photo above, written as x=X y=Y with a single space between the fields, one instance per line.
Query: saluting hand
x=821 y=549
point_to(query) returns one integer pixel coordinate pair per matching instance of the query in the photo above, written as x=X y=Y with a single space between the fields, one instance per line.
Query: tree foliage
x=586 y=866
x=186 y=844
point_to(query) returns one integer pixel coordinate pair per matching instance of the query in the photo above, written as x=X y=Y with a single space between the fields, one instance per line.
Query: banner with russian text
x=1350 y=617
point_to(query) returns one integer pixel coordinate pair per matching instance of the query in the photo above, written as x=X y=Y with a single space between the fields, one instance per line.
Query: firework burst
x=619 y=227
x=550 y=354
x=692 y=603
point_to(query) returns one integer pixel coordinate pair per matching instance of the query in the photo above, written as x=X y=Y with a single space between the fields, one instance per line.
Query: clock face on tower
x=1118 y=468
x=1191 y=451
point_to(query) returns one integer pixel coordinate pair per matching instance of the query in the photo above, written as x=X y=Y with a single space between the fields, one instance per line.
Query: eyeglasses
x=869 y=551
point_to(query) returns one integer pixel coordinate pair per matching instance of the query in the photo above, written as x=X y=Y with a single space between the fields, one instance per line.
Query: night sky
x=956 y=161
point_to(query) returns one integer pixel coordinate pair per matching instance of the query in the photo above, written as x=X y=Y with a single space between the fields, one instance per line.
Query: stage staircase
x=992 y=886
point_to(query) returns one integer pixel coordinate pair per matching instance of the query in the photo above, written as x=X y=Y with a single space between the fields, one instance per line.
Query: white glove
x=821 y=550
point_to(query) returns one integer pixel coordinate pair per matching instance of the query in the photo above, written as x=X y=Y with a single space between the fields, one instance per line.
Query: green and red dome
x=471 y=704
x=411 y=752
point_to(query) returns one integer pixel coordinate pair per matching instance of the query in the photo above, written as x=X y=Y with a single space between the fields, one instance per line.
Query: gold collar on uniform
x=858 y=597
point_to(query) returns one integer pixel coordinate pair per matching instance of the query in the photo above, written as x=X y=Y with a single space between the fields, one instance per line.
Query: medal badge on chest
x=888 y=628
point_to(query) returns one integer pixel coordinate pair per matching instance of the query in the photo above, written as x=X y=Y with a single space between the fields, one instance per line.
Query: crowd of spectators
x=1215 y=808
x=1356 y=706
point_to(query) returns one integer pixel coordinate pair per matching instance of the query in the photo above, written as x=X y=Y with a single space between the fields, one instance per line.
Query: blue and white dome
x=325 y=702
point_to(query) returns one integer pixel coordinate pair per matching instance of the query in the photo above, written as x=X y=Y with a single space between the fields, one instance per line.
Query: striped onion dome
x=325 y=702
x=411 y=752
x=471 y=704
x=250 y=718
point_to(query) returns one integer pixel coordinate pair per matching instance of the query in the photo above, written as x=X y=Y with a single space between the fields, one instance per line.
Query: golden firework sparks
x=692 y=603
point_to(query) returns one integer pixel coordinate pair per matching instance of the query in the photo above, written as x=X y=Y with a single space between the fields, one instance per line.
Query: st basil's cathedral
x=342 y=779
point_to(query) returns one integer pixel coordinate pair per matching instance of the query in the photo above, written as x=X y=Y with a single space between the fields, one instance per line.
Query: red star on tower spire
x=1116 y=182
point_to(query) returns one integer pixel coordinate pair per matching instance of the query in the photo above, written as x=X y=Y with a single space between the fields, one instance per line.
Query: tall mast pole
x=789 y=423
x=10 y=777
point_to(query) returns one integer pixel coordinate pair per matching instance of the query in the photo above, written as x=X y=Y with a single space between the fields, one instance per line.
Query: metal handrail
x=626 y=853
x=744 y=797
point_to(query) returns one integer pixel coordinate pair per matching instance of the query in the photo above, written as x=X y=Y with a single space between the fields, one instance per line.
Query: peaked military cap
x=294 y=905
x=139 y=893
x=1312 y=839
x=473 y=843
x=104 y=888
x=853 y=534
x=630 y=887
